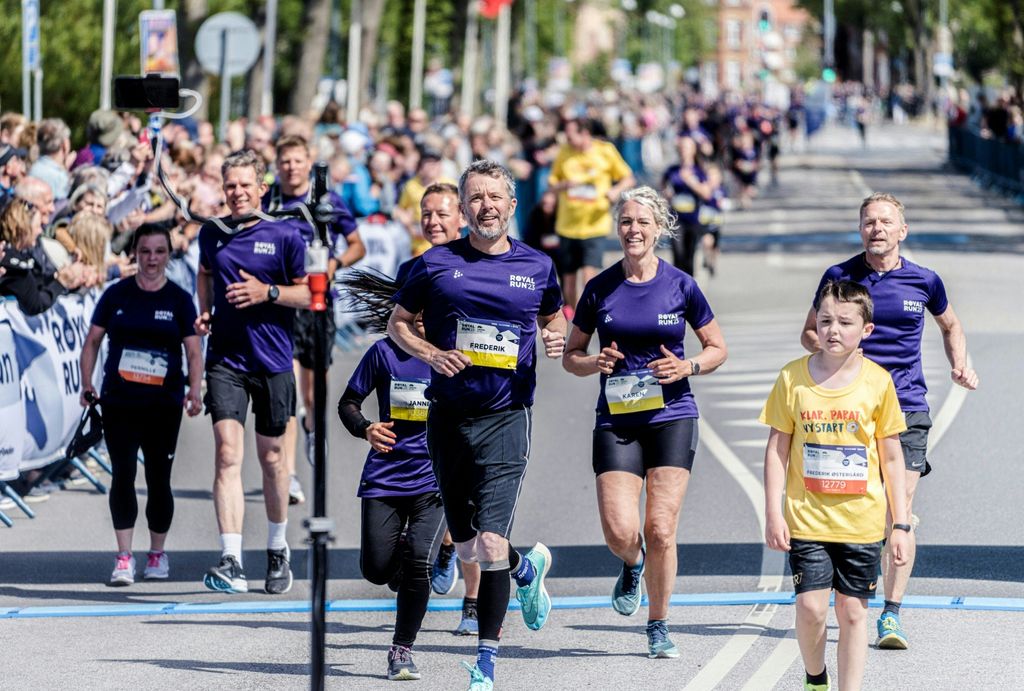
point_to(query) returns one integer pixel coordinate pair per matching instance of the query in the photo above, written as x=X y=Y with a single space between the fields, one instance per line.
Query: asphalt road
x=971 y=543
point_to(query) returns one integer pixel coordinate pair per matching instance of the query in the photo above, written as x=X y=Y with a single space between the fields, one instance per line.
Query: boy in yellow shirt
x=835 y=423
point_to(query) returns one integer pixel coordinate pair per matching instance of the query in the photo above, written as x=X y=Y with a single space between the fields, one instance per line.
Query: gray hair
x=51 y=136
x=246 y=158
x=491 y=169
x=648 y=197
x=883 y=197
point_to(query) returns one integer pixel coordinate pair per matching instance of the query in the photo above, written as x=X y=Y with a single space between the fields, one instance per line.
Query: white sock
x=231 y=545
x=277 y=535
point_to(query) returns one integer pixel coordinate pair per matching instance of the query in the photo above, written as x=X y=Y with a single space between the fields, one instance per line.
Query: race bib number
x=143 y=366
x=549 y=241
x=633 y=392
x=710 y=216
x=408 y=400
x=582 y=193
x=684 y=203
x=835 y=469
x=488 y=343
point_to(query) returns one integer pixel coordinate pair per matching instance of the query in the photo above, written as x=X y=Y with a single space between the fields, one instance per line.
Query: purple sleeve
x=294 y=255
x=101 y=315
x=937 y=301
x=585 y=318
x=362 y=379
x=832 y=274
x=698 y=311
x=551 y=299
x=412 y=295
x=344 y=223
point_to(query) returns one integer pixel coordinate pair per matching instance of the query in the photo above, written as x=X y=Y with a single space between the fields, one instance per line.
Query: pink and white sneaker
x=157 y=566
x=124 y=570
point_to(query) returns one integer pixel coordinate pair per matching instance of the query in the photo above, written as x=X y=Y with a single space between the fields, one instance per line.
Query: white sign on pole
x=30 y=33
x=942 y=65
x=243 y=44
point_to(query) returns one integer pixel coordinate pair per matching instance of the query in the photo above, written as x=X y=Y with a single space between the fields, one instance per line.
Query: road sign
x=942 y=65
x=227 y=42
x=30 y=33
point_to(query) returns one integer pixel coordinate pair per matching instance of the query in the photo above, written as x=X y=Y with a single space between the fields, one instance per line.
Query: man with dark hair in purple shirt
x=251 y=281
x=483 y=299
x=901 y=291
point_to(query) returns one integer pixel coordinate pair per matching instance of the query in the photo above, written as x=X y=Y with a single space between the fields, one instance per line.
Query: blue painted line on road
x=990 y=604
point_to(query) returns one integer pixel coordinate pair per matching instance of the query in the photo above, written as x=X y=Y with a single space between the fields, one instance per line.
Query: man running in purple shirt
x=251 y=281
x=901 y=291
x=483 y=299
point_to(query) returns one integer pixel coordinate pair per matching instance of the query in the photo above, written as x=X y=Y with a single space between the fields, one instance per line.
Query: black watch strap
x=273 y=292
x=901 y=526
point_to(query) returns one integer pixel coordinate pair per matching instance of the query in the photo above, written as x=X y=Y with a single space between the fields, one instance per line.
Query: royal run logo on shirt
x=668 y=319
x=163 y=316
x=913 y=306
x=524 y=282
x=268 y=248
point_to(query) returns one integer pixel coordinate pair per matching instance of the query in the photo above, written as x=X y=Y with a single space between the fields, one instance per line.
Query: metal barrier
x=991 y=163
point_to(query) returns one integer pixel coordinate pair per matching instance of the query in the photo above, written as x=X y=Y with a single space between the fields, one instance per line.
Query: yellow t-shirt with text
x=584 y=210
x=834 y=490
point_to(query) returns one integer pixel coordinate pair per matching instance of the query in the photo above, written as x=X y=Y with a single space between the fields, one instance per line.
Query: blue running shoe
x=659 y=645
x=477 y=680
x=468 y=625
x=890 y=633
x=444 y=574
x=533 y=598
x=226 y=577
x=628 y=591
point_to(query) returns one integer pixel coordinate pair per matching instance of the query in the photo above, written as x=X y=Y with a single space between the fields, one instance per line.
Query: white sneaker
x=6 y=504
x=124 y=570
x=295 y=493
x=157 y=566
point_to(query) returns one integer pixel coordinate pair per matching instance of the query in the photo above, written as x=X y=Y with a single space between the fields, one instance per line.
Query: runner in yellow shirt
x=834 y=447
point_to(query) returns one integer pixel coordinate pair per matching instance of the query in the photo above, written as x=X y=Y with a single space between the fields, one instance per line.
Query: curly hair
x=648 y=197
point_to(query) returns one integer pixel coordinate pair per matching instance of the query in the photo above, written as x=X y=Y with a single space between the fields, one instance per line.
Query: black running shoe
x=279 y=574
x=400 y=664
x=226 y=577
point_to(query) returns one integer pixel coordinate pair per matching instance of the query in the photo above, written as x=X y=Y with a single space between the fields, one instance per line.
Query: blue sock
x=486 y=655
x=525 y=572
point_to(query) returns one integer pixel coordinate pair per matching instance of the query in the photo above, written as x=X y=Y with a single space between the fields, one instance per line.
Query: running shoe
x=35 y=496
x=400 y=664
x=533 y=597
x=6 y=504
x=295 y=493
x=310 y=442
x=226 y=577
x=157 y=566
x=444 y=573
x=279 y=573
x=890 y=632
x=124 y=570
x=659 y=645
x=468 y=625
x=478 y=681
x=628 y=591
x=827 y=686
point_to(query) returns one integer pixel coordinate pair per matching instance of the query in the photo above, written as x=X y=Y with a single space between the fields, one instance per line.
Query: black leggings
x=684 y=246
x=382 y=554
x=154 y=429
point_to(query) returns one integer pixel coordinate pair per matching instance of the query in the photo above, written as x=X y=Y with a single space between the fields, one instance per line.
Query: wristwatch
x=273 y=292
x=901 y=526
x=694 y=367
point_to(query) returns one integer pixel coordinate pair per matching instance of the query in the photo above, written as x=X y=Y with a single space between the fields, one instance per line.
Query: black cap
x=7 y=152
x=430 y=154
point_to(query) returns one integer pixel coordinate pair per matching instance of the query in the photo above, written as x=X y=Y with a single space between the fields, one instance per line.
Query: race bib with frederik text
x=407 y=399
x=832 y=469
x=488 y=343
x=633 y=392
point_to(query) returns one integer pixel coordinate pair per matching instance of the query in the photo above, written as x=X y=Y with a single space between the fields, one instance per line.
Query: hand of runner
x=607 y=357
x=776 y=533
x=554 y=343
x=667 y=369
x=193 y=404
x=248 y=292
x=87 y=389
x=965 y=377
x=380 y=436
x=202 y=324
x=449 y=362
x=897 y=542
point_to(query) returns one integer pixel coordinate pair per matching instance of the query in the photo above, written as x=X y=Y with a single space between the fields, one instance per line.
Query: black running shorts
x=636 y=450
x=851 y=569
x=480 y=462
x=915 y=442
x=228 y=392
x=574 y=254
x=304 y=337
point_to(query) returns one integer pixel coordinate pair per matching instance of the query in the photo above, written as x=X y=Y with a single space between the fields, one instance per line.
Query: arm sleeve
x=412 y=295
x=344 y=223
x=829 y=275
x=101 y=313
x=778 y=411
x=295 y=255
x=618 y=167
x=351 y=414
x=34 y=295
x=937 y=300
x=585 y=318
x=185 y=314
x=551 y=300
x=890 y=416
x=698 y=312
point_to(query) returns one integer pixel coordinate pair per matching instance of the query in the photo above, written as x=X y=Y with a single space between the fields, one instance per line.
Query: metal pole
x=158 y=4
x=503 y=66
x=829 y=27
x=355 y=39
x=107 y=60
x=530 y=12
x=225 y=85
x=39 y=94
x=320 y=527
x=26 y=70
x=470 y=60
x=419 y=30
x=269 y=53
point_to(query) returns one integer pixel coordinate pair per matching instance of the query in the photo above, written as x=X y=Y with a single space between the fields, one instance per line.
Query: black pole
x=319 y=526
